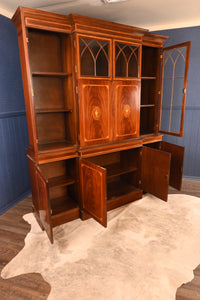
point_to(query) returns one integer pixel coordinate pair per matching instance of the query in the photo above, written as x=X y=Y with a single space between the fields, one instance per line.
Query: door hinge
x=37 y=141
x=184 y=91
x=158 y=92
x=27 y=40
x=140 y=181
x=75 y=43
x=76 y=68
x=76 y=90
x=161 y=56
x=32 y=92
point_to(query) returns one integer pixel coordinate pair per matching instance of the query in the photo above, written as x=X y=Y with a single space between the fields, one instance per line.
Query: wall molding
x=191 y=177
x=11 y=114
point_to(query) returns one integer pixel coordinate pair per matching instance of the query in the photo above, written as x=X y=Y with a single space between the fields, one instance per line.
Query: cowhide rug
x=148 y=250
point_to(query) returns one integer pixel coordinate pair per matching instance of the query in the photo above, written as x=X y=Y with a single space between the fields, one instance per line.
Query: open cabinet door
x=93 y=190
x=176 y=168
x=155 y=172
x=40 y=199
x=44 y=212
x=174 y=74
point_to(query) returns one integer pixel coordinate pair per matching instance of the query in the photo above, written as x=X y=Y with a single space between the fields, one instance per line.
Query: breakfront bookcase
x=99 y=96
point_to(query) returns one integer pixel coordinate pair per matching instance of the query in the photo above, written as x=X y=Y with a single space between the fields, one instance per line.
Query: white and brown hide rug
x=148 y=250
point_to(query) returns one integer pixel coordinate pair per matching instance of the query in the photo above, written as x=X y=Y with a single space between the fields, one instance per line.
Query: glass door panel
x=127 y=60
x=174 y=83
x=94 y=57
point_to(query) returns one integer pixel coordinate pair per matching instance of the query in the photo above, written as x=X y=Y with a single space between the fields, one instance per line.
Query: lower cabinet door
x=93 y=190
x=176 y=167
x=44 y=212
x=40 y=199
x=155 y=172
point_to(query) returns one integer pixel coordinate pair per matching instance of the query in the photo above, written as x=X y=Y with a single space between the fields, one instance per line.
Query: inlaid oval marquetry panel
x=95 y=113
x=126 y=109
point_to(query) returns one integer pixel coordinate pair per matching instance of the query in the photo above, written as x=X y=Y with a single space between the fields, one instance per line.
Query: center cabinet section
x=108 y=89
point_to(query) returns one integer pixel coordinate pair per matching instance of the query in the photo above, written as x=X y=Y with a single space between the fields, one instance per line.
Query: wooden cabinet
x=97 y=93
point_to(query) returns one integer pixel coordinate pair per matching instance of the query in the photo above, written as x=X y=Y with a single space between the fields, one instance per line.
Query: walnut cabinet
x=99 y=96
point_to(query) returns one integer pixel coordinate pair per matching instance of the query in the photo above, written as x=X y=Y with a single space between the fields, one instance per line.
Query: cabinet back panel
x=148 y=92
x=58 y=192
x=106 y=159
x=130 y=157
x=48 y=92
x=54 y=169
x=44 y=51
x=147 y=120
x=150 y=61
x=50 y=127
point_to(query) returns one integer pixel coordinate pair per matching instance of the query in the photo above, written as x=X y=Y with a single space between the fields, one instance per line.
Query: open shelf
x=63 y=209
x=148 y=117
x=52 y=110
x=116 y=170
x=51 y=74
x=147 y=105
x=60 y=181
x=62 y=204
x=119 y=193
x=58 y=145
x=148 y=77
x=150 y=62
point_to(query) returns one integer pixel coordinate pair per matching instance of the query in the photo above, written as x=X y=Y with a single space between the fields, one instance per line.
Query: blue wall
x=14 y=176
x=191 y=137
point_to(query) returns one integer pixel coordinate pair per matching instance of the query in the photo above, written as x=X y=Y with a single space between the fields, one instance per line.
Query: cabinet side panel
x=23 y=50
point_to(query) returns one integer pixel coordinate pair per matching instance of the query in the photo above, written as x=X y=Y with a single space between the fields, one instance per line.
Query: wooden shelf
x=148 y=78
x=58 y=205
x=58 y=145
x=116 y=170
x=147 y=105
x=52 y=110
x=51 y=74
x=60 y=181
x=120 y=193
x=63 y=209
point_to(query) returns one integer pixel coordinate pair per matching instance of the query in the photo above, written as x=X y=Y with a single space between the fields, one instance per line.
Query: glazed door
x=175 y=65
x=155 y=172
x=176 y=167
x=126 y=107
x=94 y=111
x=93 y=190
